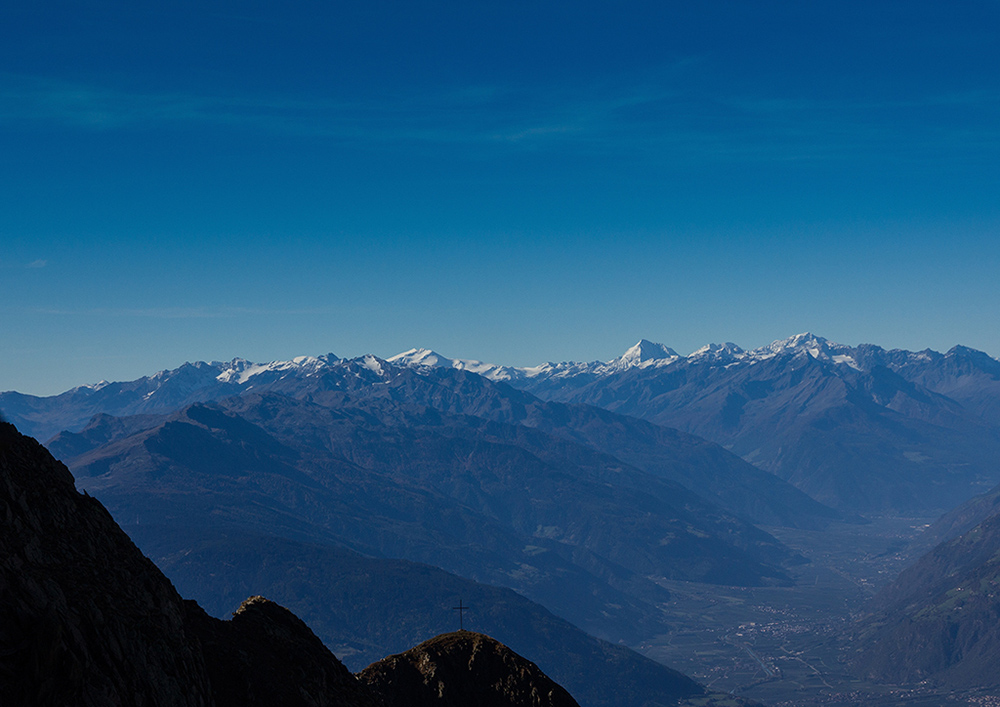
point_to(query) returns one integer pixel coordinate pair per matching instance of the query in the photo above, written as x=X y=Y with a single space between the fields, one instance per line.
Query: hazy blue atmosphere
x=512 y=183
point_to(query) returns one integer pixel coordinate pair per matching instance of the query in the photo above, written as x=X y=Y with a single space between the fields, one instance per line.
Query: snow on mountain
x=240 y=371
x=425 y=358
x=373 y=364
x=717 y=353
x=645 y=353
x=241 y=374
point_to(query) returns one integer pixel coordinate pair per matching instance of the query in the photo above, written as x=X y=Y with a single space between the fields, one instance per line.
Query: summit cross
x=461 y=610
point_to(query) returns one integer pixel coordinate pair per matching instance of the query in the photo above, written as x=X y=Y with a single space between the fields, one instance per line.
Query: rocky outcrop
x=459 y=669
x=266 y=655
x=86 y=620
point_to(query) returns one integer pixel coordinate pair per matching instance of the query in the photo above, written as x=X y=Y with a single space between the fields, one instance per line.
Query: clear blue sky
x=515 y=182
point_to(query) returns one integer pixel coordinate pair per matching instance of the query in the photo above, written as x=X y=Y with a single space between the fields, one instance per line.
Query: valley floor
x=783 y=646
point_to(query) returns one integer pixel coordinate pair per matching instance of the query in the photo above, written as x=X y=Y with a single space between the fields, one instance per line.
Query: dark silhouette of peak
x=266 y=655
x=86 y=619
x=459 y=669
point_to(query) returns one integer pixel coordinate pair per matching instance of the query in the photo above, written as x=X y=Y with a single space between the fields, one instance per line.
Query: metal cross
x=461 y=610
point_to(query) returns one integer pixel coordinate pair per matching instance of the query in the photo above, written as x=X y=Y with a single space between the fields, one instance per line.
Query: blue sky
x=517 y=183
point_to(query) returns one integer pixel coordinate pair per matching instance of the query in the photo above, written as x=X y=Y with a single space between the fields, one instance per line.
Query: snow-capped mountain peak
x=644 y=352
x=810 y=344
x=240 y=371
x=425 y=358
x=805 y=341
x=717 y=352
x=420 y=358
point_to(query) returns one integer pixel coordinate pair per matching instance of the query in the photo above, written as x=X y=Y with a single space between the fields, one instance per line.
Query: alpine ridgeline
x=861 y=428
x=446 y=467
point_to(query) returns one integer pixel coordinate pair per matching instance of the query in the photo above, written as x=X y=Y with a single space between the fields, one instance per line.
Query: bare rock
x=459 y=669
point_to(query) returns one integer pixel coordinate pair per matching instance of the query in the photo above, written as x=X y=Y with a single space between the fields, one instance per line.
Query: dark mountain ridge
x=491 y=676
x=85 y=619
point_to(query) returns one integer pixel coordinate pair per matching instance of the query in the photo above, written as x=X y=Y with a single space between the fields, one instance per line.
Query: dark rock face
x=86 y=619
x=267 y=656
x=460 y=669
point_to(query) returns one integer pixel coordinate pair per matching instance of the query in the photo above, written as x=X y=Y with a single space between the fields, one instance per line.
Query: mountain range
x=861 y=429
x=354 y=459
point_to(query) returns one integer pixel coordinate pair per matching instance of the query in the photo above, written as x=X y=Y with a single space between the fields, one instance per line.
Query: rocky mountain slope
x=459 y=669
x=86 y=619
x=958 y=521
x=940 y=620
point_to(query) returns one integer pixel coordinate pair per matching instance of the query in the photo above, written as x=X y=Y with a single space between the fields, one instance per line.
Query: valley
x=786 y=646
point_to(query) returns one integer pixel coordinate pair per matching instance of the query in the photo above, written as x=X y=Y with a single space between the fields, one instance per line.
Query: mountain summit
x=643 y=353
x=464 y=668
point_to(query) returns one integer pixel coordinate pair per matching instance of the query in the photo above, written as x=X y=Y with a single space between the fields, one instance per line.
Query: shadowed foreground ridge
x=86 y=619
x=463 y=668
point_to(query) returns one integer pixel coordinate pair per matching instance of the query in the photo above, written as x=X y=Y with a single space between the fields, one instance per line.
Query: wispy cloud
x=481 y=113
x=33 y=265
x=651 y=117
